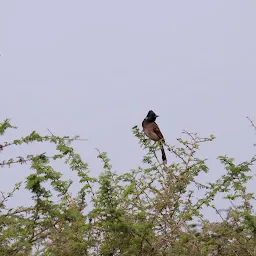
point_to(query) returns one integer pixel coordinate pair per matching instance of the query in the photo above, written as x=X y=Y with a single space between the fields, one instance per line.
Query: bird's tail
x=163 y=155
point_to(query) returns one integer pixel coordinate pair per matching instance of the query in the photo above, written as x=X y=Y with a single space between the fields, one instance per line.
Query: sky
x=95 y=68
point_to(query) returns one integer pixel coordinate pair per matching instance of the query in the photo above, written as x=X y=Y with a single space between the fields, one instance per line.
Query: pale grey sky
x=95 y=68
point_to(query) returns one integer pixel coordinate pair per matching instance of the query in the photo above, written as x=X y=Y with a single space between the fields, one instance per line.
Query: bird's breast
x=148 y=129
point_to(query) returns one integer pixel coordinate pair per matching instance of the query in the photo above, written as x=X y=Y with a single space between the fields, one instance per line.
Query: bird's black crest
x=151 y=116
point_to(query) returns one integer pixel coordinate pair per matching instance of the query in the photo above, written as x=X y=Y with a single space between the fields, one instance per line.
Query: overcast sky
x=95 y=68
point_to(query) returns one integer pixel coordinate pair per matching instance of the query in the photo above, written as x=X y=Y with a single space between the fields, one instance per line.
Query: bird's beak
x=157 y=116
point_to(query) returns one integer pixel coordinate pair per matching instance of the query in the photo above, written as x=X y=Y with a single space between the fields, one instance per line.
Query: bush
x=148 y=211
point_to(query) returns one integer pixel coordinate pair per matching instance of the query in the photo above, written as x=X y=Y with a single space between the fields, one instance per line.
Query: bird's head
x=151 y=116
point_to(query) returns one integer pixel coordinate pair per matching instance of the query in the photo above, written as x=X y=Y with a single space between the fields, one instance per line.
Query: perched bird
x=151 y=129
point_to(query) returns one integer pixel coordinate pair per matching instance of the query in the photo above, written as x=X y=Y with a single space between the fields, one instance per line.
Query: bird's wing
x=158 y=132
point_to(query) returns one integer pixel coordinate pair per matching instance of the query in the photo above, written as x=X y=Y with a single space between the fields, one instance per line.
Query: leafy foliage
x=152 y=210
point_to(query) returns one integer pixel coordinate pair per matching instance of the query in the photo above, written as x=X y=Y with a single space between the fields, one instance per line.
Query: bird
x=151 y=129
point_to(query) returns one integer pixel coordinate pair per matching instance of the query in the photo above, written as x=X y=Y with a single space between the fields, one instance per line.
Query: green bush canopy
x=152 y=210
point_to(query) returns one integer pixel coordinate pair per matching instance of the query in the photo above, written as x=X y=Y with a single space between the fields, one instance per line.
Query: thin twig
x=252 y=123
